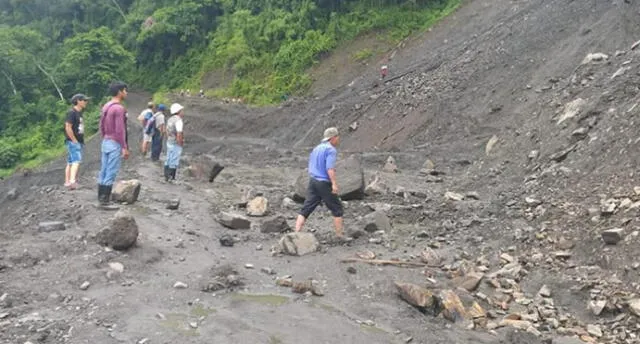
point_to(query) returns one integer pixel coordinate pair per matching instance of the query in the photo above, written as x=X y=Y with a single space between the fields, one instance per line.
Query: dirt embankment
x=515 y=188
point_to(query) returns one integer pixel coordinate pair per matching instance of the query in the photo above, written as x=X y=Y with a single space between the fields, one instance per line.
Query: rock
x=431 y=258
x=249 y=266
x=635 y=45
x=544 y=291
x=597 y=307
x=567 y=340
x=85 y=285
x=226 y=240
x=234 y=221
x=117 y=267
x=12 y=194
x=532 y=201
x=288 y=203
x=180 y=285
x=453 y=196
x=390 y=165
x=613 y=236
x=519 y=324
x=595 y=57
x=173 y=204
x=419 y=297
x=472 y=195
x=215 y=171
x=121 y=234
x=275 y=224
x=51 y=226
x=257 y=206
x=572 y=109
x=299 y=244
x=351 y=270
x=492 y=142
x=377 y=221
x=594 y=330
x=350 y=181
x=353 y=126
x=533 y=154
x=565 y=244
x=268 y=271
x=470 y=281
x=126 y=191
x=634 y=307
x=428 y=165
x=453 y=309
x=375 y=187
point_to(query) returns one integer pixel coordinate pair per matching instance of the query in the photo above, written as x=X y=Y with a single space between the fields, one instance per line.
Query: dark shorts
x=320 y=191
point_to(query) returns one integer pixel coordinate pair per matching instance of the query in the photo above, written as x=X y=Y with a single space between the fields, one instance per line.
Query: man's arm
x=68 y=128
x=120 y=130
x=179 y=135
x=331 y=169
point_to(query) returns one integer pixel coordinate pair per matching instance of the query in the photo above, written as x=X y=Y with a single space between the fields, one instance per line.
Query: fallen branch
x=13 y=86
x=383 y=262
x=53 y=81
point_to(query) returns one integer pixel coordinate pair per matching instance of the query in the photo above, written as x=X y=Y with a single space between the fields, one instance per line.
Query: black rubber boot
x=173 y=173
x=107 y=193
x=167 y=173
x=100 y=193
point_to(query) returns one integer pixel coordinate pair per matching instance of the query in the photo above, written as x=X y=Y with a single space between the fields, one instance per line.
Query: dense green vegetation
x=51 y=49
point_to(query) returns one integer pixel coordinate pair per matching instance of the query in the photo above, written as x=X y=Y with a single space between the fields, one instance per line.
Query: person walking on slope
x=144 y=117
x=113 y=130
x=175 y=141
x=323 y=185
x=156 y=128
x=74 y=139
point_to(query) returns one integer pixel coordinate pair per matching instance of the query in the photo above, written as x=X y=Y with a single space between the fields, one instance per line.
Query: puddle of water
x=179 y=322
x=265 y=299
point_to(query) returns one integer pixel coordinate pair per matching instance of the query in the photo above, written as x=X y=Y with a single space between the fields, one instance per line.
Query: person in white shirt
x=175 y=141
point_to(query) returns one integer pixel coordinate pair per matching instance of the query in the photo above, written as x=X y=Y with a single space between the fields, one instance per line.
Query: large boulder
x=275 y=224
x=126 y=191
x=120 y=234
x=350 y=180
x=299 y=244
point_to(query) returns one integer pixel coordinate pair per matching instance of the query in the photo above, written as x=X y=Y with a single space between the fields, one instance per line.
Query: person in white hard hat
x=175 y=141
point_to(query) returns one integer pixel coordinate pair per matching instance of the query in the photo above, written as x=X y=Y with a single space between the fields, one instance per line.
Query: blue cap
x=161 y=107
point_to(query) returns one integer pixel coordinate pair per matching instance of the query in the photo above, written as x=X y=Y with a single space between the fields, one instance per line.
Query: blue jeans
x=111 y=159
x=173 y=155
x=74 y=152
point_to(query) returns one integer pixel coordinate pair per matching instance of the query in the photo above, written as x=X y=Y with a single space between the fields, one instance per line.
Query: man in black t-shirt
x=74 y=139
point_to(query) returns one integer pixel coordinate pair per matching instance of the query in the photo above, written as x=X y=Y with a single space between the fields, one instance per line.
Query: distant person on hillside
x=384 y=70
x=201 y=93
x=144 y=118
x=323 y=185
x=156 y=128
x=113 y=130
x=175 y=141
x=74 y=139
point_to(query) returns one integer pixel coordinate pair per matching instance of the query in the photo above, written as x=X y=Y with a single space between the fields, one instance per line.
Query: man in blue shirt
x=322 y=182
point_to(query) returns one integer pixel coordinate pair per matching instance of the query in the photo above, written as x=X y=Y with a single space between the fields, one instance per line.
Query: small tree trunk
x=120 y=10
x=53 y=81
x=13 y=86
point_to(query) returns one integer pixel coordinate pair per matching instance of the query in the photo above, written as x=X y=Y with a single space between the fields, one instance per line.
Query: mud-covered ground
x=532 y=155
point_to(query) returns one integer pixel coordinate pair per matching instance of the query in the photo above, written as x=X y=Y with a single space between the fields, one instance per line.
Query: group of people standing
x=115 y=138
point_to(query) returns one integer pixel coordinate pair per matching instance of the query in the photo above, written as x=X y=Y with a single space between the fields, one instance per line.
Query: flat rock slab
x=126 y=191
x=234 y=221
x=350 y=181
x=51 y=226
x=299 y=244
x=121 y=234
x=613 y=236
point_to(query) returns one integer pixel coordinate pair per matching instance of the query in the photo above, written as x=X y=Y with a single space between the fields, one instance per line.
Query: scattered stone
x=572 y=109
x=428 y=165
x=126 y=191
x=351 y=270
x=353 y=126
x=533 y=154
x=635 y=45
x=180 y=285
x=595 y=57
x=597 y=307
x=613 y=236
x=472 y=195
x=85 y=285
x=268 y=271
x=430 y=257
x=121 y=234
x=608 y=207
x=507 y=258
x=470 y=281
x=567 y=340
x=565 y=244
x=258 y=206
x=173 y=204
x=453 y=309
x=390 y=165
x=215 y=171
x=288 y=203
x=299 y=244
x=620 y=72
x=532 y=201
x=234 y=221
x=51 y=226
x=248 y=266
x=376 y=241
x=377 y=221
x=375 y=186
x=453 y=196
x=419 y=297
x=350 y=181
x=226 y=240
x=117 y=267
x=544 y=291
x=492 y=142
x=594 y=330
x=634 y=307
x=12 y=194
x=275 y=224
